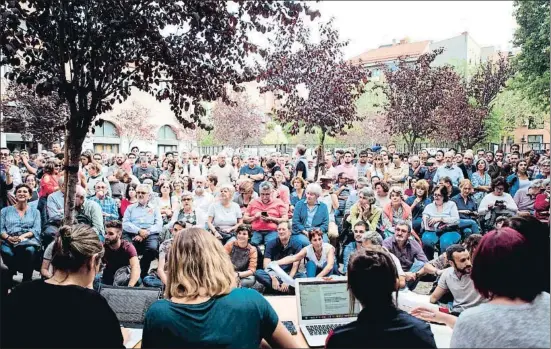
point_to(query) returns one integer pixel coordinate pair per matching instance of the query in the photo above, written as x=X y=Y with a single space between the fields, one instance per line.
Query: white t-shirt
x=225 y=217
x=311 y=255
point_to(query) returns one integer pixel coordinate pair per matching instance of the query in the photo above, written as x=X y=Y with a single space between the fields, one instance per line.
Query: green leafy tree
x=532 y=36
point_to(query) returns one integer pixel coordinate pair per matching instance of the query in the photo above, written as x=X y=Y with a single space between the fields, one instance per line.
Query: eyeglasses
x=5 y=154
x=141 y=192
x=57 y=166
x=187 y=199
x=437 y=195
x=500 y=188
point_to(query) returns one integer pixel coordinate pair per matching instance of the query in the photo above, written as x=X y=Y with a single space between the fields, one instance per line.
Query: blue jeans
x=416 y=225
x=263 y=277
x=19 y=258
x=148 y=249
x=98 y=280
x=312 y=269
x=415 y=267
x=262 y=237
x=303 y=239
x=468 y=227
x=430 y=239
x=153 y=281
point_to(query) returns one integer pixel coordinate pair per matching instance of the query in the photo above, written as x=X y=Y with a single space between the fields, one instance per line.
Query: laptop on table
x=323 y=305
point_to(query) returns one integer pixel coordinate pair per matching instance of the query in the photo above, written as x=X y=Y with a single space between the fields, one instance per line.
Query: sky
x=369 y=24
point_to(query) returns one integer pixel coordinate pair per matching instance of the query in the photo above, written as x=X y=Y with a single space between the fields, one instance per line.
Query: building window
x=108 y=129
x=106 y=138
x=107 y=148
x=162 y=149
x=535 y=139
x=166 y=133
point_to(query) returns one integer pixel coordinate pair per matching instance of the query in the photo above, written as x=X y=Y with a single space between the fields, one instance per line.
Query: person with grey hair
x=310 y=214
x=225 y=216
x=366 y=210
x=142 y=222
x=525 y=198
x=89 y=212
x=264 y=214
x=361 y=183
x=372 y=238
x=145 y=170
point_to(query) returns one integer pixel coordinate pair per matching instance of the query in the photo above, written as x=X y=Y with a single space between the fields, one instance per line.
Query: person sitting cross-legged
x=243 y=255
x=409 y=252
x=122 y=267
x=159 y=279
x=141 y=225
x=321 y=256
x=275 y=277
x=265 y=213
x=457 y=281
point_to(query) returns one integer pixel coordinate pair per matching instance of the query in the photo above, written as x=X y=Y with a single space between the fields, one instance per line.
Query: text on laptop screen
x=325 y=300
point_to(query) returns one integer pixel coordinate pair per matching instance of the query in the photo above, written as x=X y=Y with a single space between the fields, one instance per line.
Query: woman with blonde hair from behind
x=201 y=294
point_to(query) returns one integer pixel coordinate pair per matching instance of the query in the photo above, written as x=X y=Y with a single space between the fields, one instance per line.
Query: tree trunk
x=73 y=149
x=410 y=143
x=321 y=155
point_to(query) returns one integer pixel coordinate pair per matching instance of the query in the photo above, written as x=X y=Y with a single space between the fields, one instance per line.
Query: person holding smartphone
x=6 y=180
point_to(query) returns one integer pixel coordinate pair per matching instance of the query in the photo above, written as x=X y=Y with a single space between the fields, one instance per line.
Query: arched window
x=106 y=138
x=166 y=140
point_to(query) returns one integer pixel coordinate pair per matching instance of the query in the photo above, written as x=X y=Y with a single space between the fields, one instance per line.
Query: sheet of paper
x=135 y=337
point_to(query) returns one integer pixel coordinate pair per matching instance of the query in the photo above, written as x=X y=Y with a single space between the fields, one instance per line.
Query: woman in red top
x=129 y=198
x=48 y=183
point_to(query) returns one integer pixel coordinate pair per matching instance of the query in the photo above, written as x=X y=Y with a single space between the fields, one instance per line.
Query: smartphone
x=290 y=326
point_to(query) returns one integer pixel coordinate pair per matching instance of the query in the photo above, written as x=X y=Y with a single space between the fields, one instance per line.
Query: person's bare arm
x=438 y=293
x=294 y=269
x=293 y=258
x=330 y=263
x=45 y=269
x=161 y=269
x=434 y=315
x=281 y=338
x=134 y=271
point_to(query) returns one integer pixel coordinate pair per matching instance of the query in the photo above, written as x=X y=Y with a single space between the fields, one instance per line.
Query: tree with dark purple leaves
x=92 y=53
x=467 y=117
x=38 y=119
x=416 y=95
x=316 y=86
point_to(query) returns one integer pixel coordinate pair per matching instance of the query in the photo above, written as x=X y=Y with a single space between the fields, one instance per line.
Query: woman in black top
x=63 y=311
x=372 y=278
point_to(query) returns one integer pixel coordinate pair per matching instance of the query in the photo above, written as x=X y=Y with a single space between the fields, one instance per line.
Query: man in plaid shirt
x=108 y=205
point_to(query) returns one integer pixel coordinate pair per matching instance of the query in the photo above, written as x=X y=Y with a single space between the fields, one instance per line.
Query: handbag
x=225 y=236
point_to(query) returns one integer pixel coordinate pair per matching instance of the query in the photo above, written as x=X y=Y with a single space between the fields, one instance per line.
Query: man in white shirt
x=363 y=165
x=226 y=174
x=194 y=169
x=201 y=201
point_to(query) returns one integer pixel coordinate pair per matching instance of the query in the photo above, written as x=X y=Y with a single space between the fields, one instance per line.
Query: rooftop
x=393 y=51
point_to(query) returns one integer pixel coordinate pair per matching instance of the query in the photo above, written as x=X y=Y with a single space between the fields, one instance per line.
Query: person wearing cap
x=525 y=198
x=429 y=171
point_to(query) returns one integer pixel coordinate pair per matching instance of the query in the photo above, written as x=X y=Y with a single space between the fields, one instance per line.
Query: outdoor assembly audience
x=391 y=219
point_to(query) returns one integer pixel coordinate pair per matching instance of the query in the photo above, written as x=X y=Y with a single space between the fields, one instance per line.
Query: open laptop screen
x=325 y=300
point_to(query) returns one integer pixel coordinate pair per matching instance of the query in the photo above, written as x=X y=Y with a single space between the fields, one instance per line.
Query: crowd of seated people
x=452 y=195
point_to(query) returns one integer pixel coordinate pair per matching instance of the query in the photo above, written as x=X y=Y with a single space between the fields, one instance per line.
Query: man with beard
x=118 y=165
x=347 y=166
x=457 y=281
x=359 y=230
x=363 y=166
x=225 y=174
x=122 y=266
